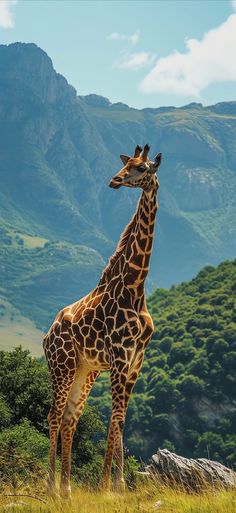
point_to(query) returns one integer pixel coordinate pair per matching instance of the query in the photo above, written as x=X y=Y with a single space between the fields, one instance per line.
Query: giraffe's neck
x=138 y=250
x=130 y=261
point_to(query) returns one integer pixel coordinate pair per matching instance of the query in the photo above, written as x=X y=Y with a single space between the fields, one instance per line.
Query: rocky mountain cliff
x=58 y=152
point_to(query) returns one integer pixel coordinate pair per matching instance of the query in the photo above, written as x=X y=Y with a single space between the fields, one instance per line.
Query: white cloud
x=133 y=39
x=135 y=61
x=206 y=61
x=6 y=17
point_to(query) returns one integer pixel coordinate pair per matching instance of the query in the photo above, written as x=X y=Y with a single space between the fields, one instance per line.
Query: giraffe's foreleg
x=79 y=392
x=115 y=434
x=118 y=452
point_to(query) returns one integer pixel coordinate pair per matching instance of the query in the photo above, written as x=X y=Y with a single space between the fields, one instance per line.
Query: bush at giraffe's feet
x=24 y=437
x=24 y=455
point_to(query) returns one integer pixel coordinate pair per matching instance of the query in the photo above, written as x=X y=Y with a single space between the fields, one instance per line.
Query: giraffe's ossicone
x=108 y=329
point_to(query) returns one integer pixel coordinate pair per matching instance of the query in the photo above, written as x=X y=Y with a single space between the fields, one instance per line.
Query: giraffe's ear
x=157 y=161
x=124 y=159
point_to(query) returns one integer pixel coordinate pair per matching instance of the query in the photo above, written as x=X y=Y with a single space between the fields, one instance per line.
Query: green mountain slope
x=185 y=398
x=16 y=329
x=39 y=276
x=57 y=154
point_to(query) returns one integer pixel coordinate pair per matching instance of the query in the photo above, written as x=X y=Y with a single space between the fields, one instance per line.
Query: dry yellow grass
x=148 y=498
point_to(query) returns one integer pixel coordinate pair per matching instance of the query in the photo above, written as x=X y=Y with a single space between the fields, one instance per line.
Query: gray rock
x=191 y=474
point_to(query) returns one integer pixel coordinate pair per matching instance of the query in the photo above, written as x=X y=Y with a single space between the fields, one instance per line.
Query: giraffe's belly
x=109 y=324
x=98 y=357
x=90 y=344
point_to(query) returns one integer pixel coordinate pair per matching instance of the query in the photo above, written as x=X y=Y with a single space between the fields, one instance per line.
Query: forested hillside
x=185 y=397
x=58 y=151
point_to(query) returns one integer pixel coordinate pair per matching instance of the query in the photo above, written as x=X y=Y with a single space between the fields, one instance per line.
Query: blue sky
x=143 y=53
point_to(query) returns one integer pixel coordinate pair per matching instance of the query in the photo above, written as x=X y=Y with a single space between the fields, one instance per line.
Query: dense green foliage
x=24 y=405
x=191 y=364
x=184 y=399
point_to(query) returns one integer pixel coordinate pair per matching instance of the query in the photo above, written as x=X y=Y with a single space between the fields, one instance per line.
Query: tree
x=5 y=413
x=25 y=385
x=24 y=454
x=191 y=385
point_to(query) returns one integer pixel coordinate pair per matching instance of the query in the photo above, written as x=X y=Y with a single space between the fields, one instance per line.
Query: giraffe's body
x=106 y=330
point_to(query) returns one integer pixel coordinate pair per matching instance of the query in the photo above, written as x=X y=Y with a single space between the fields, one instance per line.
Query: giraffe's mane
x=120 y=247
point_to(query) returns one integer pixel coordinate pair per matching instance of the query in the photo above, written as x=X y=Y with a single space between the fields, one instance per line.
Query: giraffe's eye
x=141 y=168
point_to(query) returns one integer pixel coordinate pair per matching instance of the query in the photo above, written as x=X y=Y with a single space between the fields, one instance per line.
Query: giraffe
x=108 y=329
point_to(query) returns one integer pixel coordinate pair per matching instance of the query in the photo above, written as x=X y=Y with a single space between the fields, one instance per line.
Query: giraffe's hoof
x=104 y=485
x=65 y=492
x=119 y=486
x=51 y=491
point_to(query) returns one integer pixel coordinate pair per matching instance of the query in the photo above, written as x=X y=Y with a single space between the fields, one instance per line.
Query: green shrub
x=24 y=454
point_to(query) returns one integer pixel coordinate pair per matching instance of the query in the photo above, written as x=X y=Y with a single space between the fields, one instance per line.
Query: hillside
x=185 y=398
x=40 y=276
x=16 y=329
x=58 y=152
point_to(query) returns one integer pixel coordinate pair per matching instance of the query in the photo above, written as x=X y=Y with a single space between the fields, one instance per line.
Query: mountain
x=58 y=151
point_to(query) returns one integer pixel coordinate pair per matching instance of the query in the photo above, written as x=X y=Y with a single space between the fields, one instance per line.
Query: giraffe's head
x=138 y=171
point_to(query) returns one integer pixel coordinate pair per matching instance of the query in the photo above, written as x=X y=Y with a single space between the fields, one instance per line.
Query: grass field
x=147 y=499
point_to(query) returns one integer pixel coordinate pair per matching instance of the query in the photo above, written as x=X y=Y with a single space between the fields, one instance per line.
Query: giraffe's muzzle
x=115 y=182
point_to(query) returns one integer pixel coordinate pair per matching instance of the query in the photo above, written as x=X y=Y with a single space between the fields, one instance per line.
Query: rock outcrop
x=190 y=474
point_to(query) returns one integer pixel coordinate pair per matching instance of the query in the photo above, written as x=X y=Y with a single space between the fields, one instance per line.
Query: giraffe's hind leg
x=62 y=362
x=78 y=394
